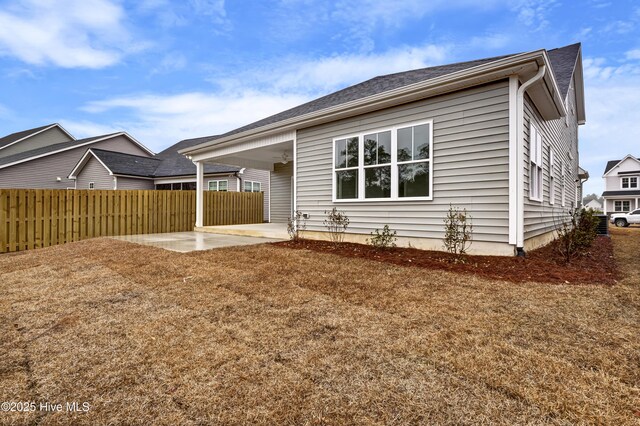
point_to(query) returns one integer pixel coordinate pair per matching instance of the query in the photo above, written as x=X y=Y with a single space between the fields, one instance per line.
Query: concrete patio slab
x=264 y=230
x=191 y=241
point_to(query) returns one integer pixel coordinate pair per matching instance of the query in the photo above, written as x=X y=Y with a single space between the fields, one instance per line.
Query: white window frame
x=629 y=178
x=253 y=183
x=536 y=190
x=217 y=186
x=564 y=184
x=92 y=185
x=621 y=210
x=552 y=176
x=394 y=164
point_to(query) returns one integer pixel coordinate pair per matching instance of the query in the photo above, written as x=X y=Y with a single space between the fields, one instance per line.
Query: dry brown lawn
x=269 y=335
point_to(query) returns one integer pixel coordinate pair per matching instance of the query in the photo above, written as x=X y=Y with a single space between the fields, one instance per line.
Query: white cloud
x=533 y=13
x=612 y=104
x=65 y=33
x=633 y=54
x=160 y=120
x=323 y=75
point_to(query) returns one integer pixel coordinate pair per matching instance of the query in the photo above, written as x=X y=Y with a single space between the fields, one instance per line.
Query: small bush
x=295 y=225
x=336 y=223
x=383 y=240
x=576 y=233
x=458 y=231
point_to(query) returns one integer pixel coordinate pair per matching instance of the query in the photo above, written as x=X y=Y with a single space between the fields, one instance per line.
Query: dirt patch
x=596 y=266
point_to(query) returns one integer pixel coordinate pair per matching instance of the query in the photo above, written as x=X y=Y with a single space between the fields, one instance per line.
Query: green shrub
x=575 y=233
x=336 y=223
x=383 y=240
x=295 y=225
x=458 y=231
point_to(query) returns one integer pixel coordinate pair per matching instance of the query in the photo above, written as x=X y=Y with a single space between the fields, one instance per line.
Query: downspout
x=520 y=158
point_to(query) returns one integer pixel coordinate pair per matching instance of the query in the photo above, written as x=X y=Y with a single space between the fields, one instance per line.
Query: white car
x=622 y=220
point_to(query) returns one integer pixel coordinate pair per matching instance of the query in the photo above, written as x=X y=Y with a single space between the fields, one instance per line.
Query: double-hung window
x=535 y=158
x=629 y=182
x=219 y=185
x=621 y=205
x=552 y=176
x=386 y=164
x=252 y=186
x=563 y=184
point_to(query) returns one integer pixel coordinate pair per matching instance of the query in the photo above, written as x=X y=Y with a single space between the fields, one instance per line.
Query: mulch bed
x=544 y=265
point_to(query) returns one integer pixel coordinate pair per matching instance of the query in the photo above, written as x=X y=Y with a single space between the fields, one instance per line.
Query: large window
x=535 y=159
x=621 y=205
x=629 y=182
x=389 y=164
x=219 y=185
x=252 y=186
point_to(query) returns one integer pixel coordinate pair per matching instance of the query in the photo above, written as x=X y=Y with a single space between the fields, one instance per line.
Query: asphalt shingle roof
x=622 y=192
x=127 y=164
x=47 y=149
x=562 y=59
x=611 y=164
x=563 y=62
x=9 y=139
x=175 y=164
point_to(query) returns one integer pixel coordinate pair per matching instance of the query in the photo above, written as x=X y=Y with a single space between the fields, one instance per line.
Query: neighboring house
x=594 y=205
x=41 y=158
x=167 y=170
x=496 y=136
x=622 y=185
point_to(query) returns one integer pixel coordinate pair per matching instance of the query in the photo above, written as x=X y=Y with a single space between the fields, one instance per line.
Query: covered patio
x=275 y=153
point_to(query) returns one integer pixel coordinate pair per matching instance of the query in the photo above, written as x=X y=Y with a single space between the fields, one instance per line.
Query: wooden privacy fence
x=34 y=218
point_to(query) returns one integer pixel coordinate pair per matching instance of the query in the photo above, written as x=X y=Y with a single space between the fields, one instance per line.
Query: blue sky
x=165 y=71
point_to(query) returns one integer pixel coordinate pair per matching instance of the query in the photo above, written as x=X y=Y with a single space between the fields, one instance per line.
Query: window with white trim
x=219 y=185
x=252 y=186
x=535 y=159
x=621 y=205
x=563 y=184
x=629 y=182
x=387 y=164
x=552 y=176
x=92 y=185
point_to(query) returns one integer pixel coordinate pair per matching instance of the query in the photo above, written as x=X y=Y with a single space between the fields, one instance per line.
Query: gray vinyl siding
x=281 y=192
x=542 y=217
x=41 y=173
x=261 y=176
x=470 y=164
x=46 y=138
x=94 y=172
x=133 y=183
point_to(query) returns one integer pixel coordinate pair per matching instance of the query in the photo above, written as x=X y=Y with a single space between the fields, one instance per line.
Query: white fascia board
x=620 y=162
x=137 y=142
x=35 y=157
x=83 y=161
x=455 y=81
x=37 y=133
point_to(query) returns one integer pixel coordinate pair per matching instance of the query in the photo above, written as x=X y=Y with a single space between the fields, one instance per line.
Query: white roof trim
x=509 y=64
x=24 y=160
x=38 y=132
x=83 y=162
x=620 y=162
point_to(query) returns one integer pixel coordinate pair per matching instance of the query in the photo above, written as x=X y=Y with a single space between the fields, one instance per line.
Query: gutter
x=520 y=158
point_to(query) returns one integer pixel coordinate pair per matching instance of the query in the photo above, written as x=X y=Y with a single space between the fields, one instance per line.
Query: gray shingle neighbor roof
x=47 y=149
x=127 y=164
x=611 y=164
x=175 y=164
x=563 y=61
x=9 y=139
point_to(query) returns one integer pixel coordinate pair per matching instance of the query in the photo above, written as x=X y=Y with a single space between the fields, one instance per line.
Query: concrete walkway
x=265 y=230
x=191 y=241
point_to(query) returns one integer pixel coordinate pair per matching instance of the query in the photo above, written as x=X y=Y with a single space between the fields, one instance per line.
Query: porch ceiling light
x=285 y=158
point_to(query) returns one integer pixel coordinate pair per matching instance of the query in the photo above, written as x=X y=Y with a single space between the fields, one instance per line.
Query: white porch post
x=199 y=193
